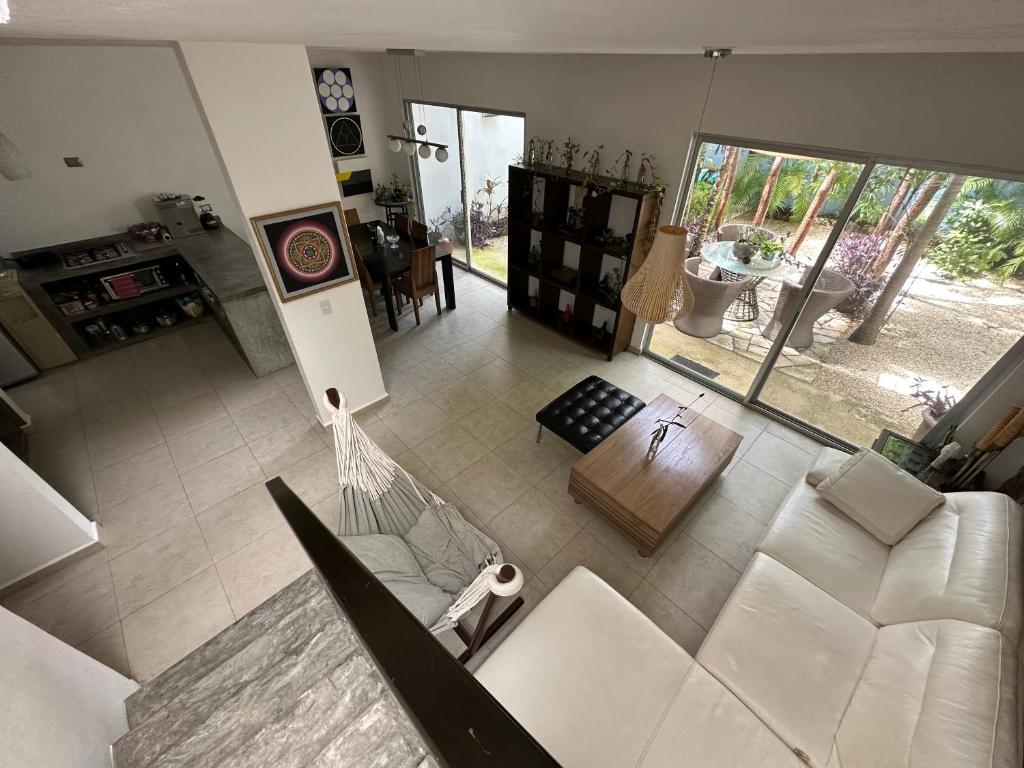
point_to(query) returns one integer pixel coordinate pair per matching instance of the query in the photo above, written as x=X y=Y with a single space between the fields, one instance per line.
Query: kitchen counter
x=230 y=283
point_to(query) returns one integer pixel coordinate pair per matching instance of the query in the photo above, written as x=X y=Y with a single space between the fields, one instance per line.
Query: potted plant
x=395 y=191
x=936 y=403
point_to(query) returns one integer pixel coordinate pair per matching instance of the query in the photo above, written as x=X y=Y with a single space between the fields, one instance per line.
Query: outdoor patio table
x=733 y=269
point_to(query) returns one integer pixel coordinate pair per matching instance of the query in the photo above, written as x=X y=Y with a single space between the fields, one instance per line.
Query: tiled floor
x=167 y=444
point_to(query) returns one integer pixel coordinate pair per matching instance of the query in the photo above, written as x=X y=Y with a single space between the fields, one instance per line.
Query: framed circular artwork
x=335 y=91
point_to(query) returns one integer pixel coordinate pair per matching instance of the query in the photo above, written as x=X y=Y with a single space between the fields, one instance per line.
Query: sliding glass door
x=468 y=200
x=902 y=287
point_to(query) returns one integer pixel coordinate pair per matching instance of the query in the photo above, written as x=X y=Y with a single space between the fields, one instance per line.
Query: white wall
x=58 y=707
x=379 y=112
x=277 y=159
x=37 y=526
x=128 y=113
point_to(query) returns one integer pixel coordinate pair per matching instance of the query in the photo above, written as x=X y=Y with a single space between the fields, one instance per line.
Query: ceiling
x=528 y=26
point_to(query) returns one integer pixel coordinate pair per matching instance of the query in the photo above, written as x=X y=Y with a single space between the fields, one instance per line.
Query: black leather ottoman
x=588 y=413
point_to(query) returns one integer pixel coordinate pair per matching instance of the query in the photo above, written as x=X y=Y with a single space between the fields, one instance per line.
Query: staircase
x=288 y=685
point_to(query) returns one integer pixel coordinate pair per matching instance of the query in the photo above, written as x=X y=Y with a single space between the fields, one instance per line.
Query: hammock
x=378 y=496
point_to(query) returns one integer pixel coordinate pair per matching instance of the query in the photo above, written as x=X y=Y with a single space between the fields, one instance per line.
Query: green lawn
x=492 y=260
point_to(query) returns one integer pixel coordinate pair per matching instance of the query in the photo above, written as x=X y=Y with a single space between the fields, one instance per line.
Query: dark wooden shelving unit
x=527 y=227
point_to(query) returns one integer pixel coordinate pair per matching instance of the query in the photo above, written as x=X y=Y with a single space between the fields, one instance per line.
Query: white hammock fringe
x=484 y=584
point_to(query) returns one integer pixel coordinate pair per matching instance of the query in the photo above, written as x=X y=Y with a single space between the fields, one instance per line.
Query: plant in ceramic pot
x=936 y=402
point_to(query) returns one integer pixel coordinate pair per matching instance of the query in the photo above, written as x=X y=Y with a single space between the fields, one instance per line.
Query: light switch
x=325 y=307
x=73 y=162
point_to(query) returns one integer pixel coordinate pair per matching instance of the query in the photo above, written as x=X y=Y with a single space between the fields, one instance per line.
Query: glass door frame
x=415 y=171
x=750 y=398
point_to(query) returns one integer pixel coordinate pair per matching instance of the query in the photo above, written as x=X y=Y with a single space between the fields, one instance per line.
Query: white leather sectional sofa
x=834 y=650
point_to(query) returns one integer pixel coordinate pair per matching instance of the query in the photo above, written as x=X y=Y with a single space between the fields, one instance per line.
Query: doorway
x=466 y=198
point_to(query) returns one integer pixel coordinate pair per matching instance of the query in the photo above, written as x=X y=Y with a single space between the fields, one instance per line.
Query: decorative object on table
x=335 y=90
x=534 y=257
x=569 y=150
x=149 y=231
x=619 y=171
x=650 y=292
x=601 y=332
x=549 y=151
x=345 y=135
x=306 y=249
x=356 y=182
x=395 y=191
x=592 y=168
x=178 y=214
x=564 y=275
x=1002 y=434
x=192 y=305
x=406 y=141
x=936 y=401
x=574 y=219
x=905 y=453
x=661 y=431
x=384 y=511
x=531 y=158
x=610 y=285
x=646 y=174
x=379 y=234
x=567 y=313
x=207 y=218
x=393 y=241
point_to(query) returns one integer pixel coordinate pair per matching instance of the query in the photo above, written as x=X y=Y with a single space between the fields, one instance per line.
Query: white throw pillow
x=879 y=496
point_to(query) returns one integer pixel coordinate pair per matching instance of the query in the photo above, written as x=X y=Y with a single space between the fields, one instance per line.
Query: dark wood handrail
x=465 y=726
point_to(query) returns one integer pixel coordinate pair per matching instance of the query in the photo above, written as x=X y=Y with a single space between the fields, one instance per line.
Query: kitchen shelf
x=160 y=330
x=123 y=304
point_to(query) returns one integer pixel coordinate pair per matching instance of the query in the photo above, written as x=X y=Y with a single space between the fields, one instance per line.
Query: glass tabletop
x=720 y=254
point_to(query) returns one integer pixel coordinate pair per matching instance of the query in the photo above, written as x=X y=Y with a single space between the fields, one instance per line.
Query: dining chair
x=369 y=284
x=420 y=280
x=351 y=217
x=418 y=232
x=710 y=300
x=402 y=224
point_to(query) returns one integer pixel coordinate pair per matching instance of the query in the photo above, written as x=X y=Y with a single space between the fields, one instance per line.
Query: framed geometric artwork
x=335 y=91
x=306 y=249
x=345 y=135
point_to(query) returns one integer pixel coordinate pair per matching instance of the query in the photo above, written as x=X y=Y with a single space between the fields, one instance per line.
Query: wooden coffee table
x=645 y=499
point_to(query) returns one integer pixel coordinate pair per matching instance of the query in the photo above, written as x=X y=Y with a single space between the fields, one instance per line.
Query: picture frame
x=306 y=249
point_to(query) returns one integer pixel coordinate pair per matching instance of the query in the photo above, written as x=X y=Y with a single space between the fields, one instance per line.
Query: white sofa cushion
x=963 y=562
x=791 y=652
x=886 y=501
x=827 y=548
x=827 y=462
x=936 y=694
x=600 y=686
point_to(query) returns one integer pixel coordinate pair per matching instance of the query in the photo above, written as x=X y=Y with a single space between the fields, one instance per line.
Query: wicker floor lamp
x=651 y=292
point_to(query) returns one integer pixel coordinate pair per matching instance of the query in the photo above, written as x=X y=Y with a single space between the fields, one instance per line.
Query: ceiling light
x=409 y=148
x=424 y=151
x=441 y=154
x=395 y=145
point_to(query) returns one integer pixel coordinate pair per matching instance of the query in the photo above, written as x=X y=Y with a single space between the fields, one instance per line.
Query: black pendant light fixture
x=406 y=141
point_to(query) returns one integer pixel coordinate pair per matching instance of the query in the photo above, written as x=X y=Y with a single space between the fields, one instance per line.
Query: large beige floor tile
x=122 y=440
x=157 y=566
x=286 y=446
x=726 y=530
x=191 y=414
x=414 y=465
x=779 y=458
x=178 y=385
x=470 y=355
x=670 y=619
x=106 y=377
x=800 y=440
x=75 y=610
x=132 y=476
x=534 y=528
x=231 y=524
x=69 y=572
x=108 y=648
x=498 y=377
x=141 y=517
x=313 y=478
x=265 y=417
x=529 y=397
x=488 y=486
x=695 y=579
x=754 y=491
x=626 y=550
x=531 y=459
x=416 y=421
x=174 y=625
x=58 y=450
x=204 y=444
x=262 y=568
x=587 y=551
x=242 y=393
x=221 y=478
x=433 y=374
x=54 y=395
x=461 y=397
x=449 y=451
x=391 y=442
x=494 y=423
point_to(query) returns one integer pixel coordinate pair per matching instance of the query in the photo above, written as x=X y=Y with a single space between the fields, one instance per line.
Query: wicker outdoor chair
x=710 y=300
x=831 y=288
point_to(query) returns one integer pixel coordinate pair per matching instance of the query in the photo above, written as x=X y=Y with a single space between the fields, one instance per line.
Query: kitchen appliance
x=177 y=214
x=15 y=365
x=29 y=328
x=79 y=259
x=128 y=285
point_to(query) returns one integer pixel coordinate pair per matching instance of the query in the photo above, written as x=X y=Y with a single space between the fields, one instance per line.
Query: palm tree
x=765 y=203
x=887 y=219
x=892 y=241
x=867 y=332
x=728 y=179
x=839 y=178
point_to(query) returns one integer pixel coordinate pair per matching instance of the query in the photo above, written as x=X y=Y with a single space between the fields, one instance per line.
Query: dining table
x=732 y=269
x=385 y=262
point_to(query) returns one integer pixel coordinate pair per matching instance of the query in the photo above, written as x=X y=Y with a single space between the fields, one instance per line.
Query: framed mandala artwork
x=307 y=249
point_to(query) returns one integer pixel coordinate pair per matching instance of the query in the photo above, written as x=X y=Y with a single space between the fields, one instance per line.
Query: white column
x=262 y=114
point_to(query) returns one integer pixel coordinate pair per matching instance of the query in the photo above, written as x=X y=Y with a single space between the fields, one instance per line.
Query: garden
x=934 y=261
x=488 y=227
